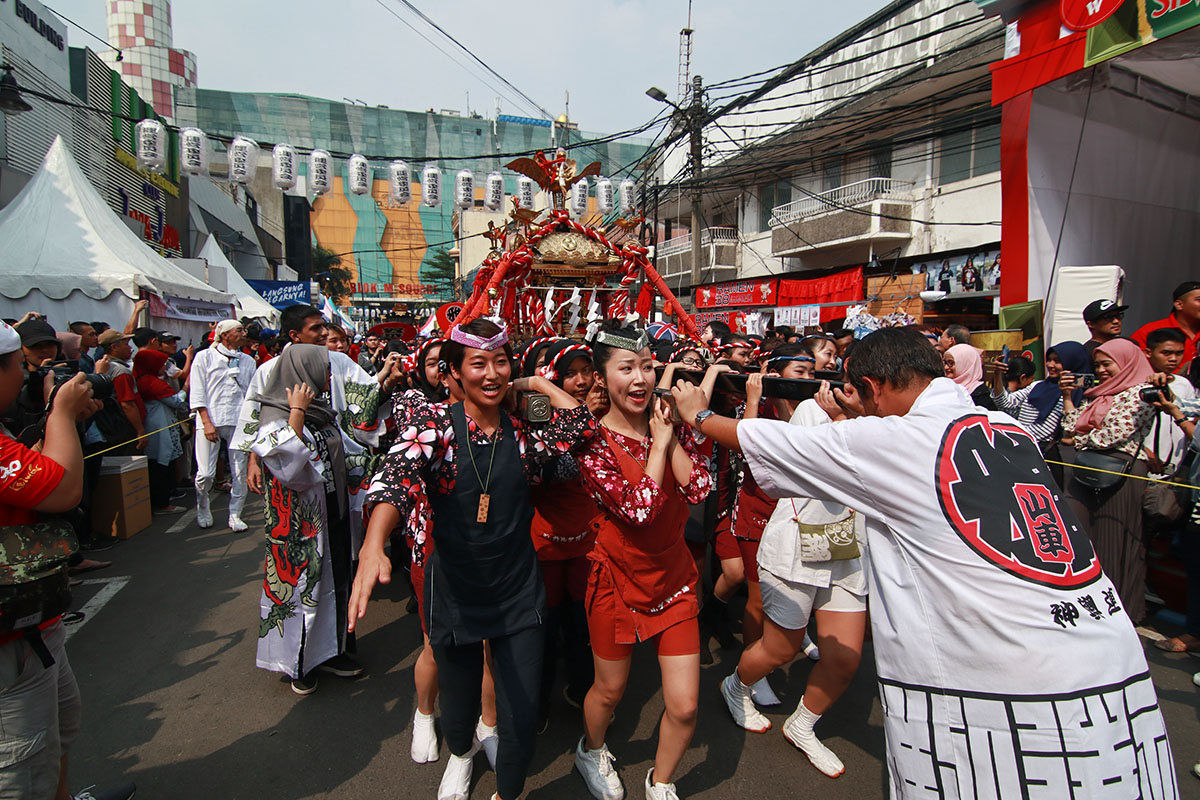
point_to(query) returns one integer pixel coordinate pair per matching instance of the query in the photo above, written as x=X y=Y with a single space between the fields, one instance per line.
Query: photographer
x=40 y=699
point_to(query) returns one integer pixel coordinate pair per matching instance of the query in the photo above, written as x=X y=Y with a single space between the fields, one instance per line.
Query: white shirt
x=992 y=619
x=1165 y=439
x=219 y=380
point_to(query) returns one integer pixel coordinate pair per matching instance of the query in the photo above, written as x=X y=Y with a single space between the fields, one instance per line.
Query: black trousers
x=517 y=668
x=162 y=483
x=343 y=562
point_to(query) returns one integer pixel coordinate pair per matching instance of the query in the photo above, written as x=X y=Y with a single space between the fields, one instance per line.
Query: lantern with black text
x=399 y=183
x=320 y=171
x=243 y=160
x=628 y=196
x=493 y=197
x=579 y=198
x=283 y=166
x=431 y=186
x=151 y=139
x=605 y=196
x=464 y=189
x=360 y=174
x=525 y=192
x=193 y=151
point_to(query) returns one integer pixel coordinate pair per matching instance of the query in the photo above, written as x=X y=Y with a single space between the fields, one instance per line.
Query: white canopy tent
x=66 y=254
x=248 y=302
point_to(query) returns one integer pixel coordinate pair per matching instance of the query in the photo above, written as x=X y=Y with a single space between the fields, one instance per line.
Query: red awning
x=846 y=285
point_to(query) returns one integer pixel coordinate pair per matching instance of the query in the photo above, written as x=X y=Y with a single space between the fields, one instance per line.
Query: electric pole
x=695 y=122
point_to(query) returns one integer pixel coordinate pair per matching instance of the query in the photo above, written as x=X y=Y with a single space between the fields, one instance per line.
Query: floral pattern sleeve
x=417 y=462
x=637 y=503
x=567 y=430
x=701 y=482
x=1124 y=426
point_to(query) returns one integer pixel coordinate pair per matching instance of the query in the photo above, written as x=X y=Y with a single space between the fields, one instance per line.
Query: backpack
x=34 y=584
x=112 y=423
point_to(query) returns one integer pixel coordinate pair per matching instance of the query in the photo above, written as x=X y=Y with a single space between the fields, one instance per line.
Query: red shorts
x=725 y=546
x=681 y=639
x=697 y=549
x=565 y=580
x=749 y=551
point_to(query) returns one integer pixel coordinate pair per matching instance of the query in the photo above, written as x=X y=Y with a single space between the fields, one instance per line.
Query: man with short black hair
x=977 y=564
x=954 y=334
x=1166 y=444
x=715 y=331
x=88 y=340
x=842 y=338
x=1103 y=319
x=1185 y=315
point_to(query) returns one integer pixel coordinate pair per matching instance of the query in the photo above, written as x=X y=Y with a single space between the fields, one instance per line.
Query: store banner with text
x=282 y=294
x=192 y=310
x=759 y=292
x=736 y=320
x=1137 y=23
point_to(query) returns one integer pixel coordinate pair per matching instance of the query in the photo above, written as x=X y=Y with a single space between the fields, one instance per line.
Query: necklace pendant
x=485 y=500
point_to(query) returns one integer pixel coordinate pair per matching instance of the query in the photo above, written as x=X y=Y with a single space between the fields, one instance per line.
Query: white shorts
x=789 y=604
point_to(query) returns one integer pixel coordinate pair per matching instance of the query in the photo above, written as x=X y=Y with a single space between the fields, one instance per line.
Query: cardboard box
x=121 y=503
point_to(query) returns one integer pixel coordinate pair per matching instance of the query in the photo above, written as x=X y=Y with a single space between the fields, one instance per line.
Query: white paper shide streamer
x=579 y=198
x=193 y=151
x=605 y=196
x=151 y=139
x=320 y=171
x=399 y=183
x=493 y=196
x=525 y=192
x=243 y=159
x=431 y=186
x=283 y=166
x=360 y=174
x=464 y=189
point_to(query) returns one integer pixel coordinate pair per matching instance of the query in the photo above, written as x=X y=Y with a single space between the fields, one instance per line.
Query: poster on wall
x=737 y=293
x=191 y=310
x=282 y=294
x=968 y=272
x=1137 y=23
x=736 y=320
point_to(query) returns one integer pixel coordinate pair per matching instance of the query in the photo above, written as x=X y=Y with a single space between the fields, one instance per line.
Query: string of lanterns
x=243 y=152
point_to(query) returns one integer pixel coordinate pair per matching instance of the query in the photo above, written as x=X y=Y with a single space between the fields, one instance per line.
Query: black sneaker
x=305 y=684
x=343 y=666
x=98 y=544
x=122 y=792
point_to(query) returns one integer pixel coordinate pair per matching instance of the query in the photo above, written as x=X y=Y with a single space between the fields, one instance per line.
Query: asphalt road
x=173 y=701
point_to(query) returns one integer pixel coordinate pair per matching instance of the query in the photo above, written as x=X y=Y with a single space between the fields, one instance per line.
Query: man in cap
x=1185 y=315
x=220 y=376
x=117 y=353
x=1103 y=319
x=39 y=343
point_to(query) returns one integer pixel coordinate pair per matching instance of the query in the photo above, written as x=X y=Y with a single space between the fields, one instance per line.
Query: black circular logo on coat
x=998 y=495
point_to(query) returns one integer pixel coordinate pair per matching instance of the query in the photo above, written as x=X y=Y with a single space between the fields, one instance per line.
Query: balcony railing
x=681 y=244
x=852 y=194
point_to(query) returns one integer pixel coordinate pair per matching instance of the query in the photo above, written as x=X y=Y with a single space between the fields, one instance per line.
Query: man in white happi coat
x=1007 y=667
x=220 y=377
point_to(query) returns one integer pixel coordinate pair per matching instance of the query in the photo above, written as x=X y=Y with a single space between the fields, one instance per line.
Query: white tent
x=65 y=253
x=248 y=302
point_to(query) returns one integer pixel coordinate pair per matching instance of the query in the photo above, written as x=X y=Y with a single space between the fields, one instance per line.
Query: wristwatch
x=700 y=417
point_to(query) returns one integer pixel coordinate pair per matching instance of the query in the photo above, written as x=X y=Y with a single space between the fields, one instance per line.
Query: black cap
x=35 y=332
x=1101 y=308
x=1184 y=288
x=165 y=336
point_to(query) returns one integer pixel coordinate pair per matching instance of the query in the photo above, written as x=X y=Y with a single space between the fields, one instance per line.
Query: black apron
x=483 y=580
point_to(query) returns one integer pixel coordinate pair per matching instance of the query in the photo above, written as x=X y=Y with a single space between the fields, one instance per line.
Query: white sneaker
x=821 y=756
x=596 y=767
x=1196 y=679
x=763 y=695
x=424 y=739
x=810 y=649
x=659 y=791
x=204 y=518
x=236 y=524
x=741 y=705
x=456 y=780
x=488 y=741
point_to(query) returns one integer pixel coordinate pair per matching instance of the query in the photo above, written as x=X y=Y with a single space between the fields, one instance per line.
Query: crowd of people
x=555 y=503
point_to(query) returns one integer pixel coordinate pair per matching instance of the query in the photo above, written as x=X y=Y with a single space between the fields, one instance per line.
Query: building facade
x=149 y=62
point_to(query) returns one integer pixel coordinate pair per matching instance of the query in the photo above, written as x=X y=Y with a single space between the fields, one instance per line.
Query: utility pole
x=695 y=122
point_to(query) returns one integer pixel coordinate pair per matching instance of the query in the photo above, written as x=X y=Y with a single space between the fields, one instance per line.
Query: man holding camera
x=39 y=699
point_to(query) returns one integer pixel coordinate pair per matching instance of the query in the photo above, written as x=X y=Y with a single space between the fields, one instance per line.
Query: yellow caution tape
x=131 y=441
x=1125 y=474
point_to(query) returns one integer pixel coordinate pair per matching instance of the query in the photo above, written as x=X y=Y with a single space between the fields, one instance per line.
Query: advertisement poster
x=969 y=272
x=282 y=294
x=737 y=293
x=1137 y=23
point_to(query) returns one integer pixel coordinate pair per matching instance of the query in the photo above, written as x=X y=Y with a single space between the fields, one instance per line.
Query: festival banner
x=192 y=310
x=737 y=293
x=1137 y=23
x=736 y=320
x=282 y=294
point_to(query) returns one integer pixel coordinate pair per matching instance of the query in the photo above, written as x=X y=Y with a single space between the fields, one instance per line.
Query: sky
x=604 y=53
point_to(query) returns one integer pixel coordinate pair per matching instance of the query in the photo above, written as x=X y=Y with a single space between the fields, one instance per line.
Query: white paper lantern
x=193 y=151
x=399 y=183
x=628 y=196
x=320 y=171
x=525 y=191
x=579 y=198
x=605 y=196
x=243 y=160
x=360 y=174
x=431 y=186
x=493 y=198
x=283 y=166
x=151 y=139
x=464 y=189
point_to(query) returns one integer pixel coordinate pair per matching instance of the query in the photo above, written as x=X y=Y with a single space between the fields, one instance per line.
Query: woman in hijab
x=303 y=606
x=964 y=366
x=69 y=342
x=163 y=446
x=1107 y=430
x=1039 y=406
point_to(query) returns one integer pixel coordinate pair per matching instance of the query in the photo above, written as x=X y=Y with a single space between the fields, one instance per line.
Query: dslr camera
x=1152 y=394
x=63 y=371
x=1084 y=380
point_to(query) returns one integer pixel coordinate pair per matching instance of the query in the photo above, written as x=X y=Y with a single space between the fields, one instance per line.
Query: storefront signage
x=1079 y=15
x=44 y=29
x=282 y=294
x=737 y=293
x=1138 y=22
x=156 y=230
x=191 y=310
x=128 y=160
x=393 y=288
x=736 y=320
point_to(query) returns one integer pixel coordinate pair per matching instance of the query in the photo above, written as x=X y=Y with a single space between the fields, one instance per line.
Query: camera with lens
x=1152 y=394
x=63 y=371
x=534 y=407
x=1084 y=380
x=27 y=416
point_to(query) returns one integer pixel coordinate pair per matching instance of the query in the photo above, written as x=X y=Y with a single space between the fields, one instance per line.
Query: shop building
x=149 y=62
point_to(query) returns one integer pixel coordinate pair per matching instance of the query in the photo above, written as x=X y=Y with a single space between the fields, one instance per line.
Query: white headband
x=10 y=340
